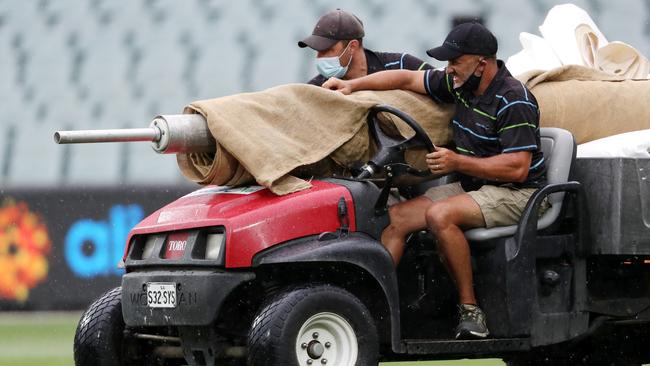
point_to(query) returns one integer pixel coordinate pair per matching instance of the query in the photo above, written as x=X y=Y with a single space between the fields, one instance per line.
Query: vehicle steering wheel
x=390 y=150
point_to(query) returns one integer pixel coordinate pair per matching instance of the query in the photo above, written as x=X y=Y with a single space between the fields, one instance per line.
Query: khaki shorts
x=500 y=206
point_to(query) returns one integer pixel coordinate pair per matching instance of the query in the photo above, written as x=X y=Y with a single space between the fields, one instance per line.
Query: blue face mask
x=331 y=66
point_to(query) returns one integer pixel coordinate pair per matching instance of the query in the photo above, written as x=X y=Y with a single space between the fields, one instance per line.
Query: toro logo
x=176 y=243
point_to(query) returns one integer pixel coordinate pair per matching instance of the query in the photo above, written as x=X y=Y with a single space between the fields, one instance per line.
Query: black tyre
x=321 y=323
x=99 y=336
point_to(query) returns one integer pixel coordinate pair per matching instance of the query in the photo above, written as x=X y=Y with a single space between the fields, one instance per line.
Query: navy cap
x=466 y=39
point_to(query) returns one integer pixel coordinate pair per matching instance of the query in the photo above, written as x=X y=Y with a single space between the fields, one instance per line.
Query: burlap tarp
x=589 y=103
x=272 y=136
x=265 y=136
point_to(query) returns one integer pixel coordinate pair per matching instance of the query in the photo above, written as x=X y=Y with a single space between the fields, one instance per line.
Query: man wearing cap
x=497 y=155
x=337 y=37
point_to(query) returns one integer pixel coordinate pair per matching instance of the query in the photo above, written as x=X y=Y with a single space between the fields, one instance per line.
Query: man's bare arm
x=384 y=80
x=508 y=167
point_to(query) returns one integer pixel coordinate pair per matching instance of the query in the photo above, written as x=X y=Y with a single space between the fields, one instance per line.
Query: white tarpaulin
x=631 y=144
x=570 y=37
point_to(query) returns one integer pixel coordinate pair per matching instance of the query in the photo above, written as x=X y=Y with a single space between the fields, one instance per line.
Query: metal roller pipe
x=183 y=133
x=151 y=134
x=168 y=134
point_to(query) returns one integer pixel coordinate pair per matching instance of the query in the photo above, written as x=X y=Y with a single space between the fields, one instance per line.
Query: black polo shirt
x=504 y=119
x=380 y=61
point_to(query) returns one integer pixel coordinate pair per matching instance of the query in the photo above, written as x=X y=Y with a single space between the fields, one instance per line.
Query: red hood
x=253 y=221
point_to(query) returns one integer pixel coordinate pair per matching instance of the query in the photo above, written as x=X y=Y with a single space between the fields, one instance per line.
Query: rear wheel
x=311 y=325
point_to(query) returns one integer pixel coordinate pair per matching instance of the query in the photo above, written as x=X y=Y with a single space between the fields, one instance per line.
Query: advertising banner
x=59 y=248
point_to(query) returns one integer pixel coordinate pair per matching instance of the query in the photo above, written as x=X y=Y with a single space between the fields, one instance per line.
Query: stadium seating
x=103 y=64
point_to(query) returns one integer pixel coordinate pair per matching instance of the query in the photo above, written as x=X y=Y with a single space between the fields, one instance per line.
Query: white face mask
x=331 y=66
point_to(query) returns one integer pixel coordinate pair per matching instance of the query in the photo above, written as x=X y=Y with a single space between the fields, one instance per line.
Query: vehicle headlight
x=214 y=246
x=149 y=245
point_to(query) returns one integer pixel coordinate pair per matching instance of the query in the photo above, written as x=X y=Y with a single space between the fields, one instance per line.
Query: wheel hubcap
x=315 y=349
x=327 y=339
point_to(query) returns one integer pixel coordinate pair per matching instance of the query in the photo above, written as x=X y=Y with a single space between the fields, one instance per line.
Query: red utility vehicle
x=238 y=276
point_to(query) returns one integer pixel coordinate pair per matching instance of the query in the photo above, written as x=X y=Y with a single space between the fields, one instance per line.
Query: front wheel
x=99 y=336
x=311 y=325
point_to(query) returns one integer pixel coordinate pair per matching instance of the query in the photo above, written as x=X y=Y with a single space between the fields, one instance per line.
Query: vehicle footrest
x=451 y=347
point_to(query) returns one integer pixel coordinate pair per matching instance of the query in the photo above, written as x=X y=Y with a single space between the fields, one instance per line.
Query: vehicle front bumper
x=200 y=294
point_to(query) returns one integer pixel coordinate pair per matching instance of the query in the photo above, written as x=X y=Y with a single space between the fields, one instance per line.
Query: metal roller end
x=57 y=137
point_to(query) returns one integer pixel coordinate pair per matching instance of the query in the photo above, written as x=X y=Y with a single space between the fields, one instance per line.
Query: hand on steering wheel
x=441 y=161
x=390 y=150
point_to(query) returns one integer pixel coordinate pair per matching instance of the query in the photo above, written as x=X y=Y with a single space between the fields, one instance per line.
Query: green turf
x=30 y=339
x=37 y=339
x=482 y=362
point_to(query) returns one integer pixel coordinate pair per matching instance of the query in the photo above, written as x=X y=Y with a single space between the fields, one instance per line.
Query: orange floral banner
x=24 y=247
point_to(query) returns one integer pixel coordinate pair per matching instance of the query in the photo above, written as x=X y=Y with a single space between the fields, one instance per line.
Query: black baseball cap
x=466 y=39
x=332 y=27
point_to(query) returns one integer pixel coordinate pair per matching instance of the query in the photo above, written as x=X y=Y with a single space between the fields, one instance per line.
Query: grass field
x=45 y=339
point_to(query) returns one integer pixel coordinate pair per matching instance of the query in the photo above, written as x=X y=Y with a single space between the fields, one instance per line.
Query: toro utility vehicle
x=236 y=276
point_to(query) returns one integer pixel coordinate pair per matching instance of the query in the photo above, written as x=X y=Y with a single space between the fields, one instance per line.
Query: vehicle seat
x=559 y=151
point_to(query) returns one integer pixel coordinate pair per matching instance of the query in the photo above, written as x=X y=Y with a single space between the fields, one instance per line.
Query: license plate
x=161 y=295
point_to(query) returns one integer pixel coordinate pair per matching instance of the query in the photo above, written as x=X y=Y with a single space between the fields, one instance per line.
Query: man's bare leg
x=446 y=219
x=405 y=218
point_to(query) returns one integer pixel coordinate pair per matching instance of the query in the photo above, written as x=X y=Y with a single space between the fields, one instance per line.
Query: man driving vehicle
x=337 y=38
x=497 y=155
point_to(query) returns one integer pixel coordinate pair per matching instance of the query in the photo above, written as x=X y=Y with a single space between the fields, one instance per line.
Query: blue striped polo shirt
x=504 y=119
